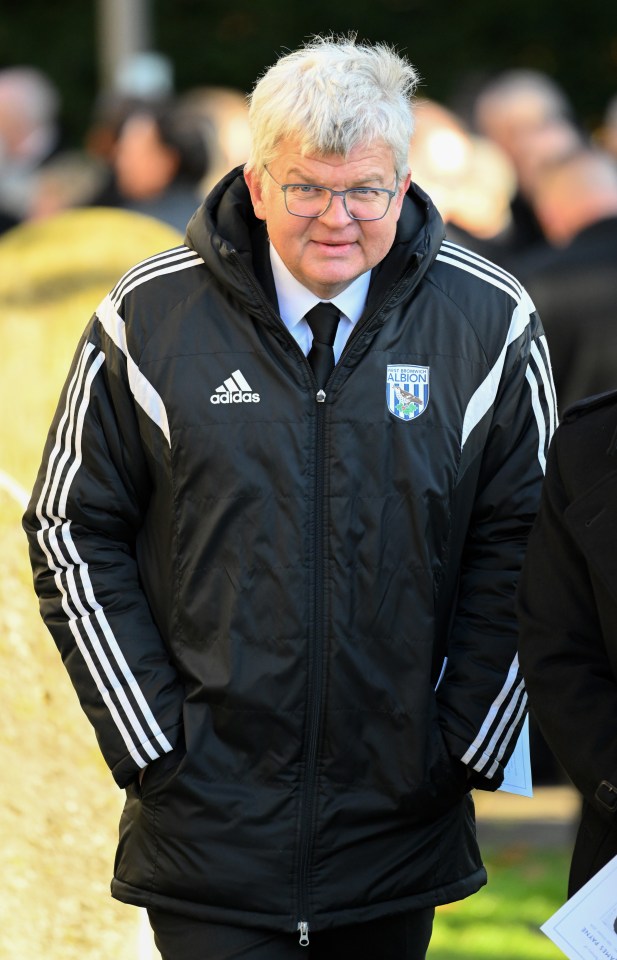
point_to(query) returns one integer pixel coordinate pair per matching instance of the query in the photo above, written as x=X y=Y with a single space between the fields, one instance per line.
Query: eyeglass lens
x=304 y=200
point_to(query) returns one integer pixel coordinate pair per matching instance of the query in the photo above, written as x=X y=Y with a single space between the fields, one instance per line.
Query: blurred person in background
x=68 y=180
x=159 y=160
x=607 y=134
x=567 y=607
x=531 y=119
x=30 y=133
x=224 y=113
x=111 y=110
x=574 y=283
x=276 y=533
x=143 y=83
x=469 y=178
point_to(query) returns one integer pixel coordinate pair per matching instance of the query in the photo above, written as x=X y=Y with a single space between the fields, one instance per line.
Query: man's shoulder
x=586 y=434
x=157 y=278
x=478 y=272
x=599 y=404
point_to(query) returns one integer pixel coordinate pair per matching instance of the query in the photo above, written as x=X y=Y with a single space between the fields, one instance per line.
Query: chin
x=332 y=278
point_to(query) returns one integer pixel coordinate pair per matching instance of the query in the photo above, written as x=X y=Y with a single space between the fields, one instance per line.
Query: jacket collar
x=225 y=230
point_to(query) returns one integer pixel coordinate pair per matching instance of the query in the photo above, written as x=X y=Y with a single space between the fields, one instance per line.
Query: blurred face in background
x=144 y=165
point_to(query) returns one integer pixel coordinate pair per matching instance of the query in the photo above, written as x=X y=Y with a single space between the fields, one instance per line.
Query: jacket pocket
x=451 y=776
x=445 y=784
x=159 y=773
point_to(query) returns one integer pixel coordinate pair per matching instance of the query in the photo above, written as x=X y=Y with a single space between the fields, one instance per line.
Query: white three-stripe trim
x=144 y=392
x=508 y=707
x=141 y=388
x=511 y=702
x=106 y=663
x=484 y=397
x=87 y=621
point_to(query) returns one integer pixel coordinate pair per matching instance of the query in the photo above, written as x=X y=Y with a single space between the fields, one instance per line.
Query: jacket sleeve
x=82 y=523
x=508 y=425
x=564 y=647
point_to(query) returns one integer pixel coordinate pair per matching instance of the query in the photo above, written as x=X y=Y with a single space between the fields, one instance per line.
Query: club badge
x=407 y=390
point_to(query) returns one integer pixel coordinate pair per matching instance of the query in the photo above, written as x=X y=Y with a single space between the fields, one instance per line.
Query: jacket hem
x=439 y=896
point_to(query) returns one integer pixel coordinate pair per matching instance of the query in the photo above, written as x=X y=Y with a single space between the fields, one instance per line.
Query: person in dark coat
x=567 y=607
x=573 y=283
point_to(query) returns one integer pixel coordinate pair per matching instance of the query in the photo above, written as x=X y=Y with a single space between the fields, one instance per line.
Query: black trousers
x=401 y=937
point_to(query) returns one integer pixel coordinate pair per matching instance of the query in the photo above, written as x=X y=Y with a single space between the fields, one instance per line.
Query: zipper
x=315 y=677
x=315 y=670
x=316 y=642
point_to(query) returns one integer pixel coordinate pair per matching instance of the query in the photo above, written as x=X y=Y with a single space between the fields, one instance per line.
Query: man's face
x=327 y=253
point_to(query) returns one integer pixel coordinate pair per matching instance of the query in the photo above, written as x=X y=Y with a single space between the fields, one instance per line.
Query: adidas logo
x=234 y=390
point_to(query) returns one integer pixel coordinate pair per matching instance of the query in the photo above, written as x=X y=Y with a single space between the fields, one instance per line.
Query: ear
x=403 y=188
x=253 y=182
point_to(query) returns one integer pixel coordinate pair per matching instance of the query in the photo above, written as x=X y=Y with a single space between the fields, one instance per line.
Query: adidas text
x=235 y=397
x=235 y=389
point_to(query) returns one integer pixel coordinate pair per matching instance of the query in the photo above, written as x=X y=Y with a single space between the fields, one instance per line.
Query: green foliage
x=526 y=886
x=231 y=42
x=60 y=39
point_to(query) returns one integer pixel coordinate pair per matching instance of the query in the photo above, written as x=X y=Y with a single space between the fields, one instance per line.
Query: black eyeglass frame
x=335 y=193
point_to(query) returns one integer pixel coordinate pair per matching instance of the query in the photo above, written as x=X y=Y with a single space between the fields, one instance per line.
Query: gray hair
x=334 y=94
x=30 y=94
x=540 y=95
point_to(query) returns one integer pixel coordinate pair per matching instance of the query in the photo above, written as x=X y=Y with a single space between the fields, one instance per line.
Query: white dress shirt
x=295 y=300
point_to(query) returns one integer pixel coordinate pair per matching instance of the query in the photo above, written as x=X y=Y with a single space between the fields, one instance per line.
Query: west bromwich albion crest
x=407 y=390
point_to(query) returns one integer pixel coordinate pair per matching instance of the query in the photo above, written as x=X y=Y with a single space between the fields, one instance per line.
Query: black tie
x=323 y=320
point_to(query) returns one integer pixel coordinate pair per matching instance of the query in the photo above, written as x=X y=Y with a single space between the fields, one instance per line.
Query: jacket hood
x=223 y=229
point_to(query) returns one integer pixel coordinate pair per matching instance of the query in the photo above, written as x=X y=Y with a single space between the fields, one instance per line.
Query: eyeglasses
x=361 y=203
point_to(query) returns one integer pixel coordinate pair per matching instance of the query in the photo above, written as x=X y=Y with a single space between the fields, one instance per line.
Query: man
x=574 y=283
x=284 y=588
x=568 y=617
x=529 y=116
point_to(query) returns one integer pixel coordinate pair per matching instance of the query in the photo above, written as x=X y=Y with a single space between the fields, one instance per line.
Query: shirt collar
x=295 y=300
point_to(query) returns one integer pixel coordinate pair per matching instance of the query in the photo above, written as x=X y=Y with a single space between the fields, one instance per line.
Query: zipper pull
x=303 y=927
x=321 y=396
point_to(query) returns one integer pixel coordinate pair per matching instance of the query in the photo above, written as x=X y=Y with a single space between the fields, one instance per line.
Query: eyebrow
x=302 y=178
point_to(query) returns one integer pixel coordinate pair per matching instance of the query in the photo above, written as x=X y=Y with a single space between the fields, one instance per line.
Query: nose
x=336 y=214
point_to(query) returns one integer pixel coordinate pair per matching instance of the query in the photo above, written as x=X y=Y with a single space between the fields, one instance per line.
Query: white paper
x=517 y=777
x=586 y=926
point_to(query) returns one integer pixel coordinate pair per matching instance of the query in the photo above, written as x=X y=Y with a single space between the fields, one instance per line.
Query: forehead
x=365 y=161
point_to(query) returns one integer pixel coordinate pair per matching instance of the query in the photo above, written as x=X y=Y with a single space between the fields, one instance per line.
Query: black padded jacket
x=296 y=609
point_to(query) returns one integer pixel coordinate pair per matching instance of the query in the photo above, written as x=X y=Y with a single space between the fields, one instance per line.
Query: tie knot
x=323 y=320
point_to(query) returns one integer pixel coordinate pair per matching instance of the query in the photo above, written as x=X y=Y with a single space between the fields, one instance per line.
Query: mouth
x=334 y=246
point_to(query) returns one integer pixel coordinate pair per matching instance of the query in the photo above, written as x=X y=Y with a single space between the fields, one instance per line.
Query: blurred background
x=116 y=118
x=81 y=43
